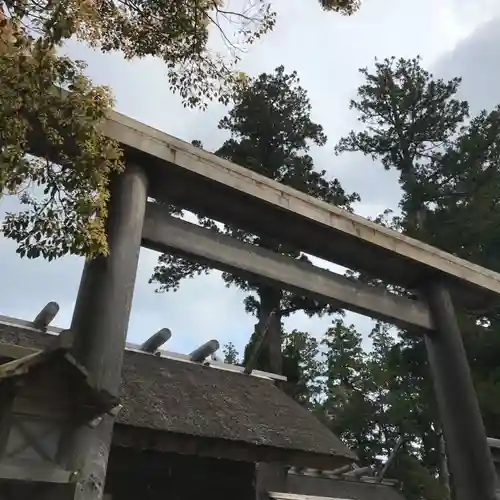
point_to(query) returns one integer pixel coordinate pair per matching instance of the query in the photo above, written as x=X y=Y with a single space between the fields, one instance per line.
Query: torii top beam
x=197 y=180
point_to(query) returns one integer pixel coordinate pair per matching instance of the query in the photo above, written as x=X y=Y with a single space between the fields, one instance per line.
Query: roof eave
x=167 y=442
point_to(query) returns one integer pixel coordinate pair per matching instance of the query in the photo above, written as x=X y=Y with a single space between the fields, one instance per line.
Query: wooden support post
x=471 y=465
x=269 y=477
x=100 y=322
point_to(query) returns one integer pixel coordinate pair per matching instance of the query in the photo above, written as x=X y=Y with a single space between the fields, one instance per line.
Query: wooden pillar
x=471 y=465
x=100 y=322
x=269 y=477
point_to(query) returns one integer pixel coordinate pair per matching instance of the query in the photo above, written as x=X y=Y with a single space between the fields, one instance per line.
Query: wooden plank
x=494 y=445
x=199 y=180
x=13 y=351
x=167 y=234
x=31 y=471
x=23 y=365
x=276 y=495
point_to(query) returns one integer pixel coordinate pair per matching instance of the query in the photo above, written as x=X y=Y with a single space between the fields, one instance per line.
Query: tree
x=347 y=7
x=346 y=407
x=271 y=133
x=66 y=210
x=231 y=355
x=448 y=166
x=370 y=402
x=69 y=217
x=404 y=408
x=303 y=368
x=410 y=120
x=177 y=33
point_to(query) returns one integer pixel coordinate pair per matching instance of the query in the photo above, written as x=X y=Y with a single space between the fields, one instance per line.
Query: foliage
x=271 y=133
x=69 y=216
x=76 y=161
x=347 y=7
x=410 y=120
x=370 y=396
x=371 y=402
x=346 y=406
x=302 y=365
x=176 y=32
x=231 y=355
x=448 y=165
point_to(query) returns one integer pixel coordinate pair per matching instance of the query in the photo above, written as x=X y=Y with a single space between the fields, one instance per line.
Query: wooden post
x=471 y=465
x=100 y=322
x=269 y=477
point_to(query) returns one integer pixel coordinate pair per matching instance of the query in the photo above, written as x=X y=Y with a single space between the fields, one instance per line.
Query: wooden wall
x=338 y=488
x=134 y=475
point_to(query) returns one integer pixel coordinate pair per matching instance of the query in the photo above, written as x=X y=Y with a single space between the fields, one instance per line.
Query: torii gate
x=162 y=167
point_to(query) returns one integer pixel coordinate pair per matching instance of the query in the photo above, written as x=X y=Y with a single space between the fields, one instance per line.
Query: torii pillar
x=100 y=323
x=471 y=464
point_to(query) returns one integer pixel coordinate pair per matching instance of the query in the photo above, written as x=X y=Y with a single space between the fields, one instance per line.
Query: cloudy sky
x=455 y=38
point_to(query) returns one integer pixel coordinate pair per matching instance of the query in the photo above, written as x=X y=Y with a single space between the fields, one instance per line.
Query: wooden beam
x=100 y=321
x=31 y=471
x=13 y=351
x=198 y=180
x=19 y=324
x=167 y=234
x=276 y=495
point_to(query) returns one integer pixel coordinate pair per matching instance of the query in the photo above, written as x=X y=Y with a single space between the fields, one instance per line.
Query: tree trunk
x=270 y=300
x=271 y=476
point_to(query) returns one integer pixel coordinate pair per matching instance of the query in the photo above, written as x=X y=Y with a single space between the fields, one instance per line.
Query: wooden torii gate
x=162 y=167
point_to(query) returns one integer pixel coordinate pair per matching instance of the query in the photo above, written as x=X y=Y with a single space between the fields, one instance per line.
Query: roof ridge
x=161 y=353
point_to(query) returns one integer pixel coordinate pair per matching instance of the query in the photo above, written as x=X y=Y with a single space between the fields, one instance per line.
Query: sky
x=454 y=37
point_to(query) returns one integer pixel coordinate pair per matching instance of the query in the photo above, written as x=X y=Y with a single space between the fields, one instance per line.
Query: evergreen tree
x=346 y=406
x=303 y=368
x=231 y=355
x=448 y=167
x=271 y=132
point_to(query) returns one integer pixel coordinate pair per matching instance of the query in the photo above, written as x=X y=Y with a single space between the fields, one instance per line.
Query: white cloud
x=326 y=50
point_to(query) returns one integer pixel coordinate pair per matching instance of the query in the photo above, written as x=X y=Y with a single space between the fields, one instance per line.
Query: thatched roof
x=162 y=395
